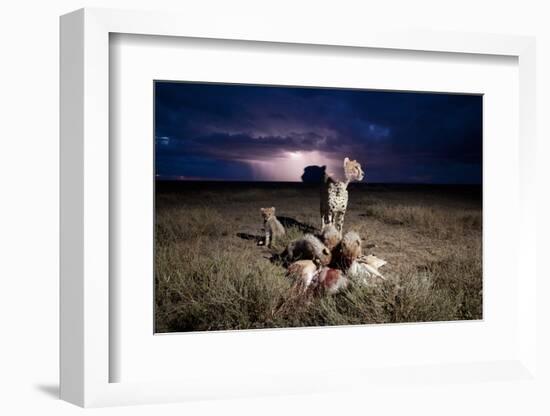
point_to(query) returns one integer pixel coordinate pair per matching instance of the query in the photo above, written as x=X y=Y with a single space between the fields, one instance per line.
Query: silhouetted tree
x=314 y=174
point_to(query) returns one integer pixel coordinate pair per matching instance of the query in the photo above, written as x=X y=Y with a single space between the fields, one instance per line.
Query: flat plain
x=211 y=274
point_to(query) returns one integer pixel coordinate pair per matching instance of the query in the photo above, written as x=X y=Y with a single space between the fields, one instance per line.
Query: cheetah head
x=352 y=170
x=351 y=245
x=267 y=212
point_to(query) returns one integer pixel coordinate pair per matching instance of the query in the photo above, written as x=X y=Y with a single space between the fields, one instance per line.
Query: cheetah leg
x=326 y=219
x=339 y=220
x=268 y=240
x=323 y=212
x=343 y=215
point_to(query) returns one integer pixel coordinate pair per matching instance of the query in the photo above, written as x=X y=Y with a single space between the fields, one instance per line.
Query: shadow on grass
x=251 y=237
x=302 y=226
x=271 y=254
x=287 y=223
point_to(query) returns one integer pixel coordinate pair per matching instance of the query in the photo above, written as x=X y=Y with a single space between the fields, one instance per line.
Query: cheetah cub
x=330 y=236
x=308 y=247
x=347 y=251
x=272 y=226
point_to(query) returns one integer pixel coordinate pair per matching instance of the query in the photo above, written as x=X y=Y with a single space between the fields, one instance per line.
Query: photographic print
x=281 y=206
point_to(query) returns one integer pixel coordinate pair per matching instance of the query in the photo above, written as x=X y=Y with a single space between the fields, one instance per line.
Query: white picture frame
x=85 y=212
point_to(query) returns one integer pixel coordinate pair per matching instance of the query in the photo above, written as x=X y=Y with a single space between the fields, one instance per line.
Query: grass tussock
x=211 y=275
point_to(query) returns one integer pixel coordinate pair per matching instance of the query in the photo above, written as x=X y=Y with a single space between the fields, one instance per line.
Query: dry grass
x=211 y=275
x=431 y=221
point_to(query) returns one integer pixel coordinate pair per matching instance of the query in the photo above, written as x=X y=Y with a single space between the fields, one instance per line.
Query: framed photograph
x=255 y=213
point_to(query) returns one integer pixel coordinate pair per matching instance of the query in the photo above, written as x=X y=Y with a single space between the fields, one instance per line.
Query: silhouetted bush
x=314 y=174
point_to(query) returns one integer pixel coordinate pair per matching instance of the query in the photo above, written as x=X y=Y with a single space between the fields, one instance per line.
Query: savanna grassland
x=211 y=274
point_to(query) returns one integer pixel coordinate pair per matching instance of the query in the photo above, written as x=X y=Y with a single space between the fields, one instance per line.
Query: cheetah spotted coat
x=334 y=201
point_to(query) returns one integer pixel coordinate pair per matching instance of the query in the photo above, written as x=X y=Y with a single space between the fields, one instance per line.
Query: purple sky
x=257 y=133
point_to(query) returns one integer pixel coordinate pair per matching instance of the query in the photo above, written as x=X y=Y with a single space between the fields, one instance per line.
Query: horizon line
x=168 y=179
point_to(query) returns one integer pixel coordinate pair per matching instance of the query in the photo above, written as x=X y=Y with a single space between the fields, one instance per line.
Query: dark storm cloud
x=229 y=132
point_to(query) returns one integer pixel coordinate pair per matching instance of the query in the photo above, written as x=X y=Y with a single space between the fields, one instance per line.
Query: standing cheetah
x=334 y=195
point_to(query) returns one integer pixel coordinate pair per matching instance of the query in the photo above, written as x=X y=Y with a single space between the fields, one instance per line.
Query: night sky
x=258 y=133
